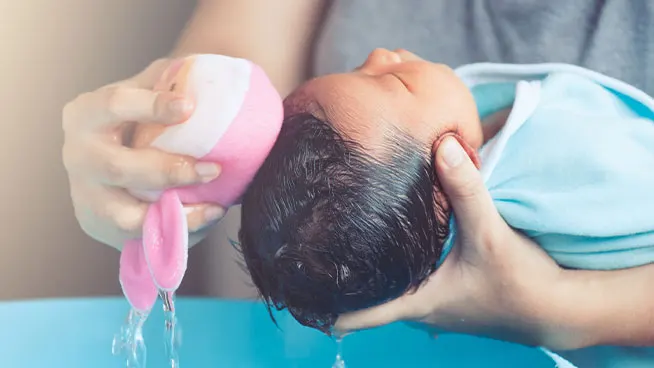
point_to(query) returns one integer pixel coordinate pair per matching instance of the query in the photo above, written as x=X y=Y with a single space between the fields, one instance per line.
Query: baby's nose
x=384 y=56
x=379 y=58
x=405 y=55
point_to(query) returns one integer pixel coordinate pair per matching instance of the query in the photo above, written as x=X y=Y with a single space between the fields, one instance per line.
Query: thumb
x=463 y=184
x=149 y=76
x=389 y=312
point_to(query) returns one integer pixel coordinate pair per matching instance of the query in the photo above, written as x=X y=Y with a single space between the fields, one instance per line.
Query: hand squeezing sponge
x=237 y=117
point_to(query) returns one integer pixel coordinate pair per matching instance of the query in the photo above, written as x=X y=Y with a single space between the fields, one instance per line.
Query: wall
x=52 y=51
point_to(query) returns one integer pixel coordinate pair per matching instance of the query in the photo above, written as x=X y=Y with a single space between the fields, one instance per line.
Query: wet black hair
x=328 y=228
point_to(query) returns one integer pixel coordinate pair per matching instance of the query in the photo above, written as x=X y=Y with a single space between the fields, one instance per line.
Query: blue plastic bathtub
x=236 y=334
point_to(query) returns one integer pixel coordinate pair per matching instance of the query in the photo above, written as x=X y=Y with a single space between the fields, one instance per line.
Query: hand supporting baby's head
x=345 y=213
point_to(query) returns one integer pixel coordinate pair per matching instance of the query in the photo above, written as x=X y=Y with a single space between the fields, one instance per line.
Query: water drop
x=172 y=329
x=129 y=343
x=339 y=362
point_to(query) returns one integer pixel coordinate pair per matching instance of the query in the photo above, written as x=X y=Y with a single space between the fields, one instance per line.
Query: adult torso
x=614 y=37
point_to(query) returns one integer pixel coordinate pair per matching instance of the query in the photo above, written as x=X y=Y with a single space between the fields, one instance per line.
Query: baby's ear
x=472 y=153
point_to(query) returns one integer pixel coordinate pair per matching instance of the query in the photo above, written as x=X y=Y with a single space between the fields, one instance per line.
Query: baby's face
x=391 y=89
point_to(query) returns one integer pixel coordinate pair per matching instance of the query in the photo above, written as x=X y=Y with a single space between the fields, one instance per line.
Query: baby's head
x=345 y=212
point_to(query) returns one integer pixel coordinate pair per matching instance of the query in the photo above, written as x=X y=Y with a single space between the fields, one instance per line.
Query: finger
x=141 y=169
x=389 y=312
x=121 y=215
x=430 y=330
x=93 y=223
x=150 y=75
x=201 y=216
x=122 y=104
x=117 y=215
x=114 y=105
x=463 y=185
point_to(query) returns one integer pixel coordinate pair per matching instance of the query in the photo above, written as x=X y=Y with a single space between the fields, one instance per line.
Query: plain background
x=52 y=51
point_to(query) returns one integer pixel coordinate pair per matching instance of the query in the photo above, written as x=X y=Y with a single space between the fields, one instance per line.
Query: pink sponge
x=237 y=117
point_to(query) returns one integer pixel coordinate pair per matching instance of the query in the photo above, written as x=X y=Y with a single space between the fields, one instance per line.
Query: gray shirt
x=613 y=37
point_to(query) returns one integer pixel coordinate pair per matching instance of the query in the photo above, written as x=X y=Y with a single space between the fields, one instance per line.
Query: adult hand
x=101 y=166
x=493 y=282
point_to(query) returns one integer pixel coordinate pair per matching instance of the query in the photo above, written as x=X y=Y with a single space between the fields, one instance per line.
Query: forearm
x=603 y=308
x=277 y=35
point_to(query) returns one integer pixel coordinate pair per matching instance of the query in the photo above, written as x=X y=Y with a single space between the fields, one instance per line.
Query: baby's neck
x=493 y=123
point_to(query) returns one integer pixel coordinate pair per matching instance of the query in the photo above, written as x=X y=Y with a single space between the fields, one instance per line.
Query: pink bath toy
x=135 y=278
x=237 y=117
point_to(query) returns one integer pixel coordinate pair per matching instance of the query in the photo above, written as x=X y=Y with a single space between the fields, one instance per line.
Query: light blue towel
x=578 y=175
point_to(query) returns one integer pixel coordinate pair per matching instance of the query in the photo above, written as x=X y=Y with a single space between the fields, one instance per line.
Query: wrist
x=588 y=308
x=612 y=307
x=558 y=313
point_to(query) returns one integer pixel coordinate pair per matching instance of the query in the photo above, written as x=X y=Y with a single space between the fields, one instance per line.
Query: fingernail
x=179 y=106
x=452 y=152
x=213 y=213
x=207 y=171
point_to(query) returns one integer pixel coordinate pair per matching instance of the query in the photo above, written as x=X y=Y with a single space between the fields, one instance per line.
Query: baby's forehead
x=331 y=97
x=302 y=101
x=351 y=105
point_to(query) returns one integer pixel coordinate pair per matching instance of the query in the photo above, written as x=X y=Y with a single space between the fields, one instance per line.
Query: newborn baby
x=346 y=212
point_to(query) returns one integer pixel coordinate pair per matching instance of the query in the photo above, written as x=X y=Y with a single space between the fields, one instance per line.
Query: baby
x=346 y=212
